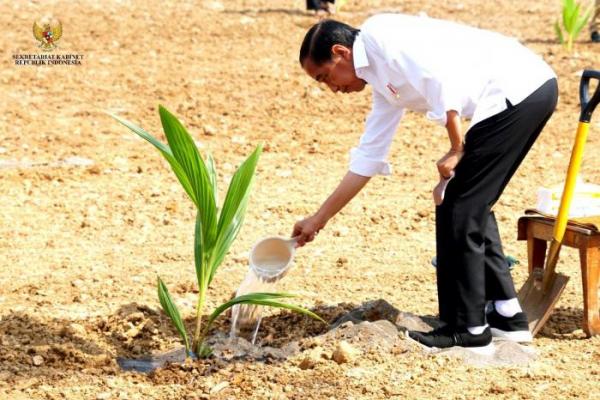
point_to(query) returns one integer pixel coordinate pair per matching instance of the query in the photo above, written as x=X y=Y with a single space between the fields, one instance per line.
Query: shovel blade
x=538 y=303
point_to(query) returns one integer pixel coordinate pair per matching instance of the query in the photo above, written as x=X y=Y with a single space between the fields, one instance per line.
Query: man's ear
x=342 y=51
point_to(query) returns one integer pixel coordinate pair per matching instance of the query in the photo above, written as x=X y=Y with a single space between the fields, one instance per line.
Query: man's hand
x=448 y=163
x=306 y=230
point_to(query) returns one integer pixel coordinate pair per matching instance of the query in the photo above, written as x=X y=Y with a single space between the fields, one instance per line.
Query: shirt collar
x=359 y=55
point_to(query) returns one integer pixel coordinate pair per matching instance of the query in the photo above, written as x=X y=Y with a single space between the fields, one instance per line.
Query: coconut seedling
x=573 y=20
x=215 y=228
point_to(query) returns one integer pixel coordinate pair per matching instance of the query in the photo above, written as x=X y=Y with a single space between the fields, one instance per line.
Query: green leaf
x=264 y=299
x=567 y=12
x=203 y=350
x=170 y=309
x=559 y=33
x=234 y=209
x=212 y=174
x=165 y=151
x=185 y=152
x=199 y=254
x=573 y=20
x=581 y=22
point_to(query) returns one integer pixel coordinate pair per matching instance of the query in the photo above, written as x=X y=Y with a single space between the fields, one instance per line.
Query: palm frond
x=264 y=299
x=165 y=151
x=185 y=152
x=172 y=312
x=234 y=209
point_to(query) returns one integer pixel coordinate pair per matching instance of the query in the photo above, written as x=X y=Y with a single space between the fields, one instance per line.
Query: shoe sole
x=486 y=350
x=514 y=336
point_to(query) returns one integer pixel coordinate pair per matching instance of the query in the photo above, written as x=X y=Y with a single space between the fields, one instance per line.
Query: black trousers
x=316 y=4
x=471 y=267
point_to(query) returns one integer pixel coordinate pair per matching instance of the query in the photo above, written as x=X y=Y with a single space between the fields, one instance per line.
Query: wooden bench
x=581 y=233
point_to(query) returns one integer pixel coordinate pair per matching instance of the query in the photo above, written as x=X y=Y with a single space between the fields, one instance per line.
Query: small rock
x=357 y=373
x=218 y=387
x=103 y=396
x=37 y=360
x=214 y=5
x=341 y=261
x=237 y=139
x=134 y=331
x=284 y=173
x=315 y=92
x=94 y=170
x=344 y=353
x=307 y=363
x=77 y=329
x=341 y=231
x=423 y=213
x=78 y=283
x=312 y=358
x=79 y=161
x=209 y=130
x=245 y=20
x=136 y=316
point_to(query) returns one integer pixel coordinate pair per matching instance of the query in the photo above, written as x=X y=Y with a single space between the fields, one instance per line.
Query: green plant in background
x=573 y=20
x=215 y=229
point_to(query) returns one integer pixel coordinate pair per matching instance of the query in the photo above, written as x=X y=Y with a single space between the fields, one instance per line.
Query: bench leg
x=536 y=252
x=590 y=275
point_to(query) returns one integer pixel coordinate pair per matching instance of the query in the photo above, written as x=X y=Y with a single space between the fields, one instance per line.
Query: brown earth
x=81 y=245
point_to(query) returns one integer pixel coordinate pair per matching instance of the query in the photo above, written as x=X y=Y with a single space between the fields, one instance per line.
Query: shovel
x=544 y=286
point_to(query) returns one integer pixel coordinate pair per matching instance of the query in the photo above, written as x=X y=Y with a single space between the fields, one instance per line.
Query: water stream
x=246 y=318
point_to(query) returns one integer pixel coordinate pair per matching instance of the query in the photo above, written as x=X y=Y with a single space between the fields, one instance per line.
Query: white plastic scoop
x=440 y=189
x=271 y=258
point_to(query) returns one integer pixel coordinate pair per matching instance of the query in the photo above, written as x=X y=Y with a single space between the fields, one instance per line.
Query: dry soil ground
x=81 y=245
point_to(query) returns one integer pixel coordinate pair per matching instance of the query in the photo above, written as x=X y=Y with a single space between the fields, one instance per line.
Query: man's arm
x=350 y=185
x=366 y=160
x=449 y=161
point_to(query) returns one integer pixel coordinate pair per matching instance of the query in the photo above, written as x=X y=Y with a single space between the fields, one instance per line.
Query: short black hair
x=321 y=37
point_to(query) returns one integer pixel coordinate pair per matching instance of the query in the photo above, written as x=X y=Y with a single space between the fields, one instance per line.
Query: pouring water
x=270 y=260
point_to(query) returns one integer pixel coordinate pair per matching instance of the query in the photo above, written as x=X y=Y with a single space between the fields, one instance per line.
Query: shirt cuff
x=438 y=118
x=441 y=118
x=362 y=165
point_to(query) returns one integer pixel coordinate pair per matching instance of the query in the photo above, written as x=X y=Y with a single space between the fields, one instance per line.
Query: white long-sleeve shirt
x=434 y=66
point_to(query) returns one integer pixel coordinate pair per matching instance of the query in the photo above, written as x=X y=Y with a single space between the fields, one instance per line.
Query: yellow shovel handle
x=565 y=202
x=588 y=104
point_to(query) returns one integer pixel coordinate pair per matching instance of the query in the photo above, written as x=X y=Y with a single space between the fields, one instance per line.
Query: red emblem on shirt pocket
x=394 y=91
